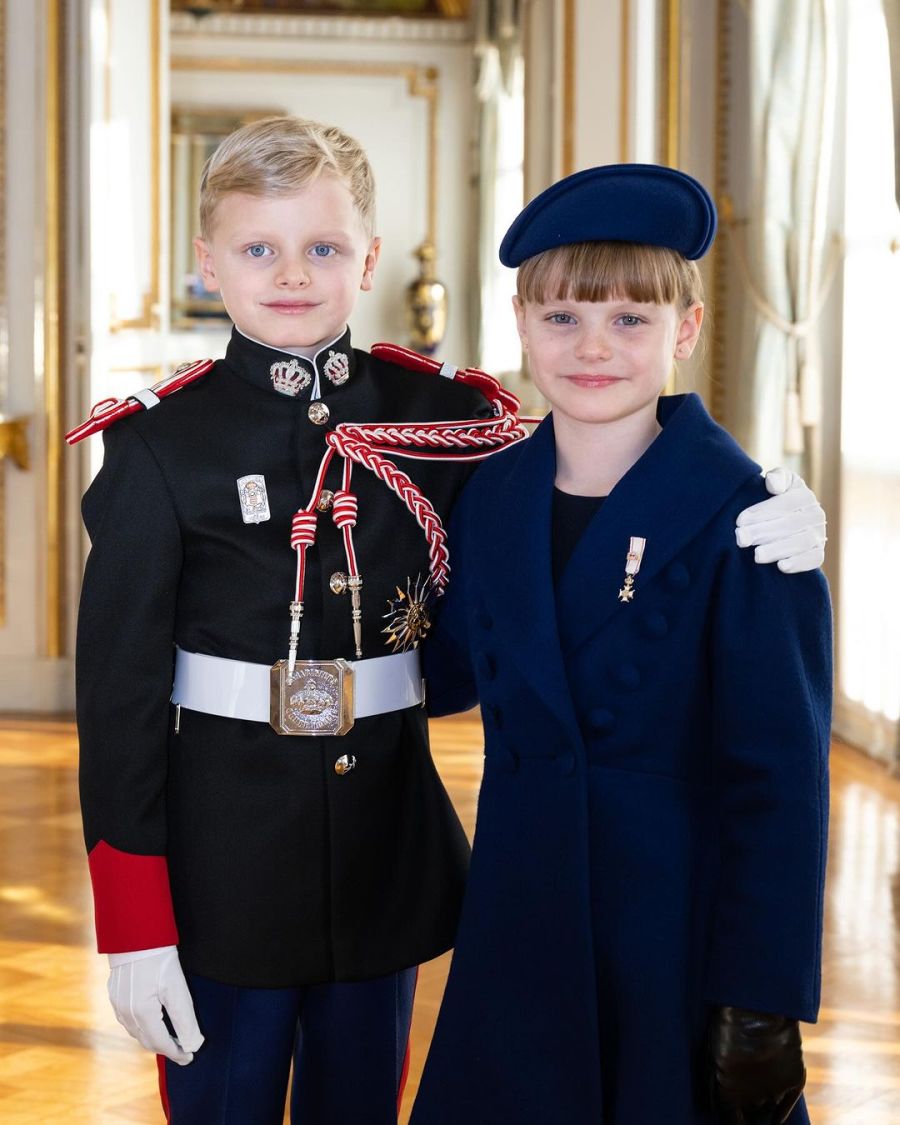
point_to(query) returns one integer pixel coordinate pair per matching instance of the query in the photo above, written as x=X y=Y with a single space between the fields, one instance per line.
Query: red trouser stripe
x=163 y=1089
x=404 y=1073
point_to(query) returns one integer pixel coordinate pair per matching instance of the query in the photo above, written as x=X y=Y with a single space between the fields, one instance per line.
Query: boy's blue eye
x=323 y=250
x=257 y=250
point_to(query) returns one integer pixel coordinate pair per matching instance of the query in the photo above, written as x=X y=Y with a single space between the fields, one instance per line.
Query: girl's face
x=601 y=361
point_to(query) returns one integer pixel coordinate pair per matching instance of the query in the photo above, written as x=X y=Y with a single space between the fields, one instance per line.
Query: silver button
x=326 y=499
x=344 y=764
x=318 y=413
x=338 y=582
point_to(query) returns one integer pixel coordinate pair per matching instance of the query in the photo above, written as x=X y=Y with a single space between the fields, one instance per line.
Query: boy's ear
x=370 y=263
x=206 y=266
x=688 y=332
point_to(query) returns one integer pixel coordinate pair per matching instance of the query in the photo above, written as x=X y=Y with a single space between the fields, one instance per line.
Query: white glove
x=140 y=985
x=788 y=528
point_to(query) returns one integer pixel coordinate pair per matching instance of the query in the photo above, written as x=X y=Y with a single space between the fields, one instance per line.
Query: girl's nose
x=592 y=345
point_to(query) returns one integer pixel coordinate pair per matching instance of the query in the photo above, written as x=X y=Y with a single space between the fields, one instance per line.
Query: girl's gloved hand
x=757 y=1066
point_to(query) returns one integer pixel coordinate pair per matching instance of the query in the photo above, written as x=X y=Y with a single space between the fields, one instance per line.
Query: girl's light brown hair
x=281 y=155
x=607 y=271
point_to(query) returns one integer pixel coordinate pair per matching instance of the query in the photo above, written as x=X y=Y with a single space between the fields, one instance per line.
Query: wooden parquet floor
x=64 y=1058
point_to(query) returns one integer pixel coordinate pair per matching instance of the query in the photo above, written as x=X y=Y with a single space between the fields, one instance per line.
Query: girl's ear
x=519 y=310
x=370 y=263
x=688 y=332
x=206 y=266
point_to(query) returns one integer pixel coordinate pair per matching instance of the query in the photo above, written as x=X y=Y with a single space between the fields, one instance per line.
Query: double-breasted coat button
x=318 y=413
x=565 y=762
x=326 y=499
x=486 y=666
x=626 y=676
x=677 y=576
x=601 y=721
x=654 y=625
x=495 y=716
x=338 y=582
x=344 y=764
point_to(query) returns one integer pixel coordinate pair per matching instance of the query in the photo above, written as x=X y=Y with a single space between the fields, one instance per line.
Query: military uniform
x=282 y=871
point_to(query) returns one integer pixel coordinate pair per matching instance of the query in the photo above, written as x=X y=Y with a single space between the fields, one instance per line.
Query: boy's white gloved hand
x=140 y=985
x=788 y=528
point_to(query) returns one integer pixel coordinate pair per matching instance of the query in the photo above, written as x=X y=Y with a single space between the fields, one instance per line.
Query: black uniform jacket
x=282 y=871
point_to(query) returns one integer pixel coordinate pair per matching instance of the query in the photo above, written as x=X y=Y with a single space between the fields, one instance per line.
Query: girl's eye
x=630 y=320
x=258 y=250
x=561 y=318
x=323 y=250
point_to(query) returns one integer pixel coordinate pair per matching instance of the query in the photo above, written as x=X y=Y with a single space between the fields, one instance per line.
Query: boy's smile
x=289 y=267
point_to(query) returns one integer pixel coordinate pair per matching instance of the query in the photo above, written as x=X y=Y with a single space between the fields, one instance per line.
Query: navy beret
x=646 y=203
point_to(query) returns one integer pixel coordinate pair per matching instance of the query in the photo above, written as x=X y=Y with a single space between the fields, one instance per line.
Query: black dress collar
x=292 y=376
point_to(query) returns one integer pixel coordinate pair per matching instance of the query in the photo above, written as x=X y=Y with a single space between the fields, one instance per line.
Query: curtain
x=868 y=688
x=500 y=140
x=784 y=255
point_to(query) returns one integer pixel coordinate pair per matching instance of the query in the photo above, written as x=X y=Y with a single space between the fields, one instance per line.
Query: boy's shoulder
x=187 y=377
x=419 y=379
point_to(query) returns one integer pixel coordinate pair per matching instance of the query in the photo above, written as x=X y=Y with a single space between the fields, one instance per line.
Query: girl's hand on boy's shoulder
x=788 y=528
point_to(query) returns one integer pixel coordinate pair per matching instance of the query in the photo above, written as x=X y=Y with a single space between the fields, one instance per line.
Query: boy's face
x=600 y=361
x=289 y=267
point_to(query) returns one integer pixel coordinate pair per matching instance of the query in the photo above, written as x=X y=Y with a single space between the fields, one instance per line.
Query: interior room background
x=789 y=111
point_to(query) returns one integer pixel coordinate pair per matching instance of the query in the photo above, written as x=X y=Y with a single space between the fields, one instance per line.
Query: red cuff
x=132 y=900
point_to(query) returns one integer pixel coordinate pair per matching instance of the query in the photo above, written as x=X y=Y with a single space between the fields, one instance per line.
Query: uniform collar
x=289 y=374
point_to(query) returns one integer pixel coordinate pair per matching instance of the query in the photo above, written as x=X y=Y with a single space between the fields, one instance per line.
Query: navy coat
x=652 y=821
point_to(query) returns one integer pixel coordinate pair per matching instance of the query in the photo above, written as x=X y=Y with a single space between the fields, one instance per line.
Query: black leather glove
x=757 y=1066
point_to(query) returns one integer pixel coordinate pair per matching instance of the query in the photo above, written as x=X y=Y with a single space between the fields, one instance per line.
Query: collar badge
x=289 y=376
x=337 y=368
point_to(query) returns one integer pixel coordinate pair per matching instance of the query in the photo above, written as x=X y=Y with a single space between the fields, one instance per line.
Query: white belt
x=237 y=690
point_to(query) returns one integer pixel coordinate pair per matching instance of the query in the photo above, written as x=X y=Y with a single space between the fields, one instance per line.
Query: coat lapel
x=667 y=497
x=517 y=552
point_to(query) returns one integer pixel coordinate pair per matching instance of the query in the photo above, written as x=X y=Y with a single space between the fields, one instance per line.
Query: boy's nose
x=292 y=275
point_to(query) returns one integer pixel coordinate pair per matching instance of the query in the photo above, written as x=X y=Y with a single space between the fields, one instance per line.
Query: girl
x=642 y=924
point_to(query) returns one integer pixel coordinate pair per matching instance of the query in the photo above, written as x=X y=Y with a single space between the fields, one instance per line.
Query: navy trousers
x=348 y=1043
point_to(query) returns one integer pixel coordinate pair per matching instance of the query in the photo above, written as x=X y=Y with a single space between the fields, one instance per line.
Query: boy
x=307 y=876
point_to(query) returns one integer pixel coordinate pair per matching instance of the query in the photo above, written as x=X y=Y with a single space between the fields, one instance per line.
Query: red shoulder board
x=413 y=361
x=112 y=409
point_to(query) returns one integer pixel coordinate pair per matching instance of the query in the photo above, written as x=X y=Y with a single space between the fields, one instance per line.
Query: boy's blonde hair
x=607 y=271
x=281 y=155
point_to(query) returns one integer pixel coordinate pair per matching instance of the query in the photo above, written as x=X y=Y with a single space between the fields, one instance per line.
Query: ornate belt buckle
x=316 y=698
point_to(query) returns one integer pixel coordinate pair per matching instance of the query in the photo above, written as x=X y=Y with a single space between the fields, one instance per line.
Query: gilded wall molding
x=369 y=29
x=54 y=308
x=4 y=344
x=720 y=191
x=421 y=82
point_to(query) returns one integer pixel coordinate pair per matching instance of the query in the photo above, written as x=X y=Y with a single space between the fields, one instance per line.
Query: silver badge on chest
x=254 y=500
x=289 y=376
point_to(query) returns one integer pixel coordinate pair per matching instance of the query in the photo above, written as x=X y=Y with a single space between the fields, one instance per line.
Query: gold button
x=326 y=499
x=338 y=582
x=318 y=413
x=344 y=764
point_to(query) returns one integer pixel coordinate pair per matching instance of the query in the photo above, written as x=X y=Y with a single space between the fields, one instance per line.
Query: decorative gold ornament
x=426 y=304
x=409 y=614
